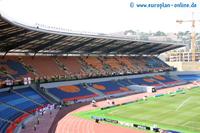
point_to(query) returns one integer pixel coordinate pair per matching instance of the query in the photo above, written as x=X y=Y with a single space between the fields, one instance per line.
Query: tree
x=159 y=33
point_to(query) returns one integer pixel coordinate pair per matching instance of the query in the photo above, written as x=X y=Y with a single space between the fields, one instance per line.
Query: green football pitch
x=180 y=112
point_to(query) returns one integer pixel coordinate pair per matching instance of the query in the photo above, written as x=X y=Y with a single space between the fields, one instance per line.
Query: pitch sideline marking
x=183 y=103
x=186 y=123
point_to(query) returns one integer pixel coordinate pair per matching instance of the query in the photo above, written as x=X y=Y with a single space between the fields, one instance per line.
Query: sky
x=101 y=16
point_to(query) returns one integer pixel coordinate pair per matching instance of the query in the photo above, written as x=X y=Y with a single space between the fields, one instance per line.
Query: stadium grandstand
x=42 y=68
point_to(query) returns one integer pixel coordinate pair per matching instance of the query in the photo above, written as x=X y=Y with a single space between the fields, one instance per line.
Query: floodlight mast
x=193 y=36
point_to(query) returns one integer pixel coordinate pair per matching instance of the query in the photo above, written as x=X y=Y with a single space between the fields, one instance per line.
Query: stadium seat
x=11 y=99
x=70 y=93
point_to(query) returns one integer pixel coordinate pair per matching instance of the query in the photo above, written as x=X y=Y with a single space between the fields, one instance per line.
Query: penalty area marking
x=183 y=103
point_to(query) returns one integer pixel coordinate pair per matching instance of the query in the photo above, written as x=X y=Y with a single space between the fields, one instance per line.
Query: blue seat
x=30 y=93
x=167 y=80
x=125 y=82
x=189 y=77
x=16 y=66
x=63 y=95
x=141 y=81
x=110 y=86
x=3 y=126
x=19 y=102
x=7 y=114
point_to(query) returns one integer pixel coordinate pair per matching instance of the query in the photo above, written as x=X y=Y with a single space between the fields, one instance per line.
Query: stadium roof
x=19 y=38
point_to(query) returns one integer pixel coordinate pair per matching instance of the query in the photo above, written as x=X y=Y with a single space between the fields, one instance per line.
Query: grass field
x=180 y=112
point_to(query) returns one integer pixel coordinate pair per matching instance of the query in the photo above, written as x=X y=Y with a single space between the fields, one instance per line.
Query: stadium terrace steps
x=44 y=66
x=86 y=90
x=161 y=83
x=95 y=91
x=3 y=124
x=26 y=97
x=12 y=67
x=71 y=93
x=144 y=81
x=88 y=69
x=15 y=107
x=121 y=83
x=126 y=62
x=125 y=82
x=50 y=96
x=76 y=67
x=113 y=63
x=7 y=118
x=44 y=94
x=10 y=113
x=130 y=82
x=165 y=79
x=9 y=106
x=94 y=62
x=189 y=77
x=12 y=126
x=71 y=63
x=107 y=87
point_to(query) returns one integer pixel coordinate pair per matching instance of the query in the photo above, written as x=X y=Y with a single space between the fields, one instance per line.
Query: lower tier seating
x=80 y=91
x=108 y=87
x=72 y=92
x=14 y=105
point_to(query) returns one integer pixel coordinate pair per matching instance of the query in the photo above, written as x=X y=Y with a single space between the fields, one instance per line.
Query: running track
x=74 y=124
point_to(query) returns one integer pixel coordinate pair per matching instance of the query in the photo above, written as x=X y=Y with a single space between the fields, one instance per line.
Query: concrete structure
x=185 y=66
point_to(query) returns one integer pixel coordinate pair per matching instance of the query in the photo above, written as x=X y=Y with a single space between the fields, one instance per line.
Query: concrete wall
x=56 y=84
x=185 y=72
x=185 y=66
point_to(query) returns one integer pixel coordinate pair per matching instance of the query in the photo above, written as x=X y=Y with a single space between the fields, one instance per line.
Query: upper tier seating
x=44 y=66
x=113 y=63
x=11 y=66
x=94 y=62
x=52 y=68
x=156 y=63
x=72 y=63
x=128 y=63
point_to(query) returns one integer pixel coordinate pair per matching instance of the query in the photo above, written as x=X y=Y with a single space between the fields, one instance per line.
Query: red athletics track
x=74 y=124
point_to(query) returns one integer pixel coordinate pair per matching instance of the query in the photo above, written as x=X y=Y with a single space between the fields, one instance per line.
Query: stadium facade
x=40 y=66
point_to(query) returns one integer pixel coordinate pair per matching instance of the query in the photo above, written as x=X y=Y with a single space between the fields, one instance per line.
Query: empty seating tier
x=72 y=92
x=49 y=69
x=13 y=105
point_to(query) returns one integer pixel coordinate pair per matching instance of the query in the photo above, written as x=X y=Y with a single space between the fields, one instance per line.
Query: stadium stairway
x=162 y=84
x=177 y=78
x=13 y=107
x=121 y=84
x=60 y=65
x=44 y=94
x=51 y=97
x=94 y=90
x=4 y=123
x=131 y=82
x=26 y=97
x=124 y=82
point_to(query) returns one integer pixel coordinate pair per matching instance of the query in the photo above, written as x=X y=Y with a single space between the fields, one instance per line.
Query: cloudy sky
x=102 y=16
